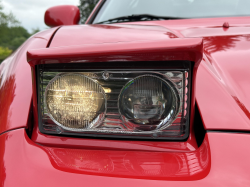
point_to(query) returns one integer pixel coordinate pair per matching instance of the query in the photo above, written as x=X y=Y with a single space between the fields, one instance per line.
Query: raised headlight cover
x=75 y=102
x=149 y=102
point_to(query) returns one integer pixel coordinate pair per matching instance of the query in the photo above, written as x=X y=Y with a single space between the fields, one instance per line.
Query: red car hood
x=99 y=34
x=224 y=75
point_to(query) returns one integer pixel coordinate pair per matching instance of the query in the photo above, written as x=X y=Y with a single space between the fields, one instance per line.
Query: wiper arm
x=138 y=17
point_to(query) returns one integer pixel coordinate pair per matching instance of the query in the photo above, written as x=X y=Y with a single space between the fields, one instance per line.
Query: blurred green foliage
x=4 y=53
x=12 y=37
x=12 y=34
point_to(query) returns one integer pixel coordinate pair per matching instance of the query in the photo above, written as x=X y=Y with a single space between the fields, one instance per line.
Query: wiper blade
x=138 y=17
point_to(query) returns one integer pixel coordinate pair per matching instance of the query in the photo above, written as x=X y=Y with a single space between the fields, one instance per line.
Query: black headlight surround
x=116 y=66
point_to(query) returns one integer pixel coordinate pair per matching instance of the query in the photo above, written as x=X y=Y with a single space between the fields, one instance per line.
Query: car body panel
x=189 y=49
x=212 y=164
x=222 y=77
x=217 y=72
x=115 y=33
x=16 y=84
x=222 y=97
x=146 y=50
x=179 y=25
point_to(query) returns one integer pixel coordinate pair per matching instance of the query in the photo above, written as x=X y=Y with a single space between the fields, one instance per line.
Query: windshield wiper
x=138 y=17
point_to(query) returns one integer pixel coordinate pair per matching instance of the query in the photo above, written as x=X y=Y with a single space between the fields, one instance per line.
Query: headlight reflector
x=149 y=101
x=75 y=102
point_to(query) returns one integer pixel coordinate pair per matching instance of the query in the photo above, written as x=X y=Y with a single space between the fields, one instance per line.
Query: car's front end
x=144 y=103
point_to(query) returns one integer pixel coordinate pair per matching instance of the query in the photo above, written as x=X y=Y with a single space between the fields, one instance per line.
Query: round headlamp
x=149 y=102
x=75 y=102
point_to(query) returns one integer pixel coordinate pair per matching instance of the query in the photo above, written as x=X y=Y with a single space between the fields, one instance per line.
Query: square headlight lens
x=120 y=104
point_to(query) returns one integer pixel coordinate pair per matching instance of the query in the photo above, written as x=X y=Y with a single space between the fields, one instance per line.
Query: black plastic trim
x=228 y=131
x=199 y=130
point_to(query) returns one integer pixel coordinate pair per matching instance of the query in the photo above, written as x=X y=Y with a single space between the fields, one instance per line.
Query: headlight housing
x=139 y=104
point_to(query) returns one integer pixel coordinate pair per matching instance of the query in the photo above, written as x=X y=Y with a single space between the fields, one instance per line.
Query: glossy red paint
x=114 y=33
x=221 y=94
x=16 y=84
x=149 y=50
x=184 y=24
x=227 y=71
x=226 y=25
x=233 y=113
x=212 y=164
x=224 y=69
x=145 y=49
x=105 y=144
x=62 y=15
x=222 y=86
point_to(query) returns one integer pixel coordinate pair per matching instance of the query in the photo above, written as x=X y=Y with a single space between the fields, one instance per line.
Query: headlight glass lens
x=118 y=104
x=149 y=102
x=75 y=102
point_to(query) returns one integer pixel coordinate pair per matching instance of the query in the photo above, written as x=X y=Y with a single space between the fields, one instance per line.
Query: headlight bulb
x=75 y=102
x=149 y=100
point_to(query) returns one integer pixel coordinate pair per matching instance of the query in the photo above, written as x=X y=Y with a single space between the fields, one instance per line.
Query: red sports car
x=147 y=93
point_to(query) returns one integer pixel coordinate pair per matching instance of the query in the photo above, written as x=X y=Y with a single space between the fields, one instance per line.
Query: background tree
x=12 y=34
x=4 y=53
x=86 y=7
x=7 y=19
x=13 y=37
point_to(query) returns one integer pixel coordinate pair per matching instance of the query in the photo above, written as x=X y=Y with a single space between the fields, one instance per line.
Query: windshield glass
x=174 y=8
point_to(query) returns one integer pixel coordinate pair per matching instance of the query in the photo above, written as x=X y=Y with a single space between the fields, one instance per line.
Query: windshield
x=173 y=8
